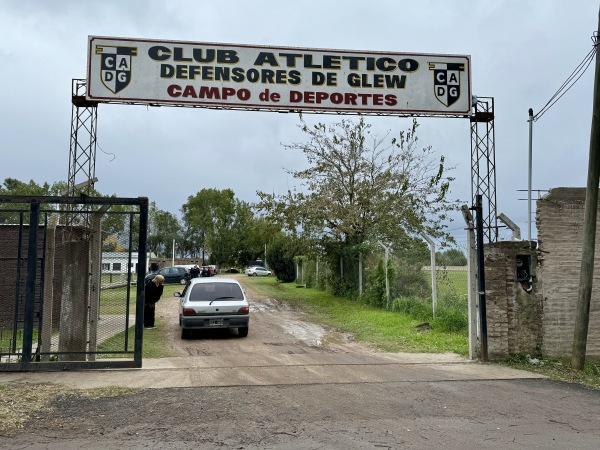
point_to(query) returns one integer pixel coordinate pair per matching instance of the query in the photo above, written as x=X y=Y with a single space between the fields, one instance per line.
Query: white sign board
x=213 y=75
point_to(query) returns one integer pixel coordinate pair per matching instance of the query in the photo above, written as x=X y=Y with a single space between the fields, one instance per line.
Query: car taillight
x=189 y=312
x=244 y=310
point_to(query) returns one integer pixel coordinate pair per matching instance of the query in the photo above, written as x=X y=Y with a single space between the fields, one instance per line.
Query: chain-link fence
x=409 y=275
x=73 y=271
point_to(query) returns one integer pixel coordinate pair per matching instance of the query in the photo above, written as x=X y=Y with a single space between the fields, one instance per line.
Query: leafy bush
x=375 y=294
x=280 y=257
x=417 y=308
x=450 y=319
x=411 y=281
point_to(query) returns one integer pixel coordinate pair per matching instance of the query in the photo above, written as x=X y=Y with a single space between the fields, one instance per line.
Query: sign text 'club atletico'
x=214 y=75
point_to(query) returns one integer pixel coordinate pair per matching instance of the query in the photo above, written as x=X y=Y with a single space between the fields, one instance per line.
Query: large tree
x=360 y=187
x=221 y=219
x=163 y=230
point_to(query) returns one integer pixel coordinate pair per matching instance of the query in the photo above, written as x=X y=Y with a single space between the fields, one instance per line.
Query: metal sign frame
x=234 y=76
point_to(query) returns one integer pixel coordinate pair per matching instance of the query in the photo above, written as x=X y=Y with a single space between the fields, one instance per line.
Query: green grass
x=389 y=331
x=152 y=347
x=153 y=342
x=452 y=283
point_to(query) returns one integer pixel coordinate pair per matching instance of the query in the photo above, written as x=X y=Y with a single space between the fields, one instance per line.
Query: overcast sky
x=521 y=53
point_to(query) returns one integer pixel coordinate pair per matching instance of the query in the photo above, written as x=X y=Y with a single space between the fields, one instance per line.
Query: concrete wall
x=559 y=220
x=514 y=311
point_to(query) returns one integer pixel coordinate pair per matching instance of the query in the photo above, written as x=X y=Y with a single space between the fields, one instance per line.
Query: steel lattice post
x=82 y=156
x=483 y=164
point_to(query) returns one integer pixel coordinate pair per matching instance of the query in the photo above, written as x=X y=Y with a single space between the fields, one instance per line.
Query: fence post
x=387 y=281
x=48 y=302
x=472 y=282
x=433 y=271
x=360 y=273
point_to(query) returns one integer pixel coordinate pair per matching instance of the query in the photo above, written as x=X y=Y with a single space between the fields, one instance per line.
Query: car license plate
x=214 y=322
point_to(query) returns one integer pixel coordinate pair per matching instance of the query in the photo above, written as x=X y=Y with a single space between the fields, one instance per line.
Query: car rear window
x=213 y=291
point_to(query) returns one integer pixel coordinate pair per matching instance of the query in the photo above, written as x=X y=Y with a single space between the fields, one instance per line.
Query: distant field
x=452 y=281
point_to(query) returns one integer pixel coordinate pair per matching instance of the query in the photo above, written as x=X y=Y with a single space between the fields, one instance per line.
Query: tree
x=360 y=187
x=257 y=233
x=231 y=234
x=115 y=224
x=12 y=186
x=163 y=229
x=451 y=257
x=280 y=257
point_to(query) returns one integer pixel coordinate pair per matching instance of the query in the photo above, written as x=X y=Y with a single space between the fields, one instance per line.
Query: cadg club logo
x=115 y=66
x=446 y=81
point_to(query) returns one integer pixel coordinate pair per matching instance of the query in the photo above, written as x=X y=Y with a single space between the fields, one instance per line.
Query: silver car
x=213 y=303
x=258 y=271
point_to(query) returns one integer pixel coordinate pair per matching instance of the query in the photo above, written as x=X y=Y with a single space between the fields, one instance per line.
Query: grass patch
x=152 y=347
x=387 y=330
x=154 y=340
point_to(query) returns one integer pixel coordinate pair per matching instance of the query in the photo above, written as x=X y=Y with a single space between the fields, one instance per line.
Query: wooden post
x=589 y=231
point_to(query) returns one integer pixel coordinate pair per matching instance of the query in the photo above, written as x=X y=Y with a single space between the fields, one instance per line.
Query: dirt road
x=294 y=385
x=274 y=329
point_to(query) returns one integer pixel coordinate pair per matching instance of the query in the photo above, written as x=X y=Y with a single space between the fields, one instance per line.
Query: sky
x=521 y=52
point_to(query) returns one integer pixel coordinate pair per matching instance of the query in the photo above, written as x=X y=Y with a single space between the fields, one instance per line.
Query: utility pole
x=589 y=229
x=529 y=174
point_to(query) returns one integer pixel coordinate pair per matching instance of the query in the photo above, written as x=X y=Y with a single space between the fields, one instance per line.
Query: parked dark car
x=172 y=275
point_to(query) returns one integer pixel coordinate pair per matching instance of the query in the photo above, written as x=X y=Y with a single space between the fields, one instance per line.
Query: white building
x=117 y=262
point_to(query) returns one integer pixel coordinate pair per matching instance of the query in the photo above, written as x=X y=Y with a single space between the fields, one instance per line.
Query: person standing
x=152 y=293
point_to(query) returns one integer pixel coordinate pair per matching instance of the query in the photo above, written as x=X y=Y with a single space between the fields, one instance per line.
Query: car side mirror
x=176 y=294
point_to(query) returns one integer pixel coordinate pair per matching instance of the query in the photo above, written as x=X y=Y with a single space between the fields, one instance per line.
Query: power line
x=572 y=79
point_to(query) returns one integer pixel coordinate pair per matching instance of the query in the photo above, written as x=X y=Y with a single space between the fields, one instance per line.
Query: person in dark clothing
x=152 y=293
x=195 y=271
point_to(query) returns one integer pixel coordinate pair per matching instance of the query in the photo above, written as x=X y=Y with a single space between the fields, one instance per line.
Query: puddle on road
x=268 y=305
x=312 y=334
x=308 y=332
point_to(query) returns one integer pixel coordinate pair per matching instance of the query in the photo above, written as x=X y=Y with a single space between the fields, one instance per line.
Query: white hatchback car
x=213 y=303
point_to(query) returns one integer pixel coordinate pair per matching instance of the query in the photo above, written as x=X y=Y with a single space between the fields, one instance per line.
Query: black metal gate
x=72 y=270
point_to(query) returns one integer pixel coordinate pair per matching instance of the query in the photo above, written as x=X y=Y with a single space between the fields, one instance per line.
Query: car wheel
x=255 y=274
x=185 y=333
x=182 y=281
x=242 y=331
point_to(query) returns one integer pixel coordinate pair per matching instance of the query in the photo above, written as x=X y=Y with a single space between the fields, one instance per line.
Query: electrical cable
x=572 y=79
x=107 y=153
